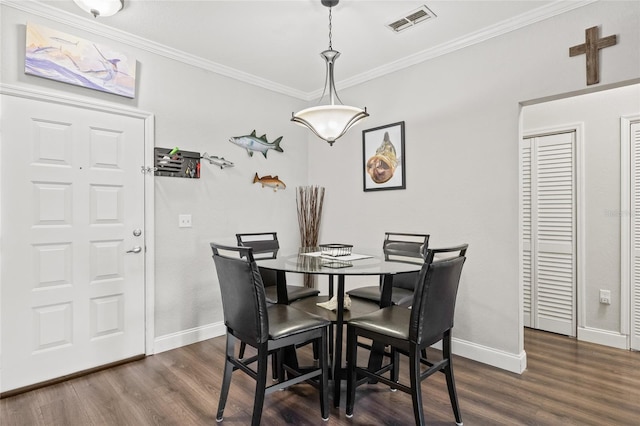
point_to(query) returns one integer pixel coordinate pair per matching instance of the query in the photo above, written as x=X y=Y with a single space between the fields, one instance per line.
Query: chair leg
x=451 y=384
x=323 y=356
x=352 y=355
x=416 y=389
x=226 y=378
x=243 y=346
x=276 y=365
x=395 y=359
x=261 y=384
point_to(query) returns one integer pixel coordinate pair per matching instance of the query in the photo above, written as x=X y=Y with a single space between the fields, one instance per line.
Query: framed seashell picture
x=383 y=157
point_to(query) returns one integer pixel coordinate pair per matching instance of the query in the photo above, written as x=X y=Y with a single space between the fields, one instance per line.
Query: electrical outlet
x=184 y=221
x=605 y=297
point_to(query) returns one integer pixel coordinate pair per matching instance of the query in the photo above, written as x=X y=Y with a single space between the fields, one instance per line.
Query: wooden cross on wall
x=591 y=48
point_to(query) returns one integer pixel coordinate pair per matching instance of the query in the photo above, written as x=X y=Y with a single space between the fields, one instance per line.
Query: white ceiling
x=280 y=41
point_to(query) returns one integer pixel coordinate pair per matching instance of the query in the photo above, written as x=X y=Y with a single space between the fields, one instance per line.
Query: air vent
x=412 y=18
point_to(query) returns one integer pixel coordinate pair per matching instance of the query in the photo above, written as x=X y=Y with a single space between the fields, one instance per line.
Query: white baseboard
x=187 y=337
x=515 y=363
x=603 y=337
x=496 y=358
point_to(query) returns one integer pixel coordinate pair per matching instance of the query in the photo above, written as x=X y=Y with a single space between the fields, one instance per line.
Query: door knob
x=136 y=249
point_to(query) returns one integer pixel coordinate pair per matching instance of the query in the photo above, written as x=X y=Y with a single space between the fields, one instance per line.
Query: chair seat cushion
x=399 y=296
x=293 y=293
x=392 y=321
x=371 y=292
x=286 y=321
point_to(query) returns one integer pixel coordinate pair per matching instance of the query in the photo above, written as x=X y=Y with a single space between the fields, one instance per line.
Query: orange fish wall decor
x=270 y=181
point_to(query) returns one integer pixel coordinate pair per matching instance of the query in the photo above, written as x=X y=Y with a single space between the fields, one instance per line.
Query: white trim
x=515 y=363
x=149 y=234
x=520 y=232
x=29 y=92
x=625 y=225
x=92 y=26
x=603 y=337
x=149 y=203
x=188 y=337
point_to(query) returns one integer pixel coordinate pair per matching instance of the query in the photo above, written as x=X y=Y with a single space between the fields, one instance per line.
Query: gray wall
x=462 y=113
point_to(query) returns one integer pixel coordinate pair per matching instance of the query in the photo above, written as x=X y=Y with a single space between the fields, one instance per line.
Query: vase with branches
x=309 y=200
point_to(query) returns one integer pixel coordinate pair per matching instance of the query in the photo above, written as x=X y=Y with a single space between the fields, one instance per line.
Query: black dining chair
x=397 y=246
x=269 y=328
x=265 y=244
x=409 y=331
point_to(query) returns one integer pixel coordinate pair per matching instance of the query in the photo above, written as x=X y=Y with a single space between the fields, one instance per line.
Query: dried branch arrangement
x=309 y=200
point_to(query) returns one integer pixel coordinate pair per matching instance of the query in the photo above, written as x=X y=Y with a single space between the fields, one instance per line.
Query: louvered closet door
x=635 y=236
x=549 y=232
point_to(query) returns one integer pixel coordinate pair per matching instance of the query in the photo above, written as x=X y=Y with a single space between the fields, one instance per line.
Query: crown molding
x=91 y=26
x=544 y=12
x=37 y=8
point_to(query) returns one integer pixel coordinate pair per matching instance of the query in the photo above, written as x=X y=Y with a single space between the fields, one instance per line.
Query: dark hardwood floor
x=566 y=383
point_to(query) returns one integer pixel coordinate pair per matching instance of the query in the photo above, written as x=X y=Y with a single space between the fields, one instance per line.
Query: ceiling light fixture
x=100 y=7
x=329 y=122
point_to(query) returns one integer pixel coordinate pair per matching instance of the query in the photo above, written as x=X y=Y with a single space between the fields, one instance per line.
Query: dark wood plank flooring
x=566 y=383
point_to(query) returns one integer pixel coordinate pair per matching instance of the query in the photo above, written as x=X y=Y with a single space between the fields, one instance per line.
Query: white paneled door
x=72 y=240
x=548 y=232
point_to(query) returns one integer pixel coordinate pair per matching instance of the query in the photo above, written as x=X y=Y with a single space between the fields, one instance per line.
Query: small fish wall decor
x=217 y=161
x=270 y=181
x=253 y=143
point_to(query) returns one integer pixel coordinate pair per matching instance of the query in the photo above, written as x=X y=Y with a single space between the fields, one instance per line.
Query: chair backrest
x=434 y=299
x=401 y=246
x=265 y=246
x=243 y=299
x=261 y=242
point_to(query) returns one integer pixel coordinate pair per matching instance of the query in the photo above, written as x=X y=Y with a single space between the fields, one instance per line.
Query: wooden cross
x=591 y=47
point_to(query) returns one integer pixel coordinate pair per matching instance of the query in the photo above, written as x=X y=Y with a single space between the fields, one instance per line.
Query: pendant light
x=100 y=7
x=329 y=122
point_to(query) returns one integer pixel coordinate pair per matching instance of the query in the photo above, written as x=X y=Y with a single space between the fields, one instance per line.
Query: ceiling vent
x=412 y=18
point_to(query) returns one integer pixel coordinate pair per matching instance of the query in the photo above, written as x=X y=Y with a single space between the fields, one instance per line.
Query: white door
x=72 y=205
x=548 y=209
x=635 y=235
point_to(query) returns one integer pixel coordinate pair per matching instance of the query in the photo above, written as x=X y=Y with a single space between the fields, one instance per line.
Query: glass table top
x=360 y=262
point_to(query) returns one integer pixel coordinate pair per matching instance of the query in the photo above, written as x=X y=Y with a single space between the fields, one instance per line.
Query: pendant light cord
x=330 y=17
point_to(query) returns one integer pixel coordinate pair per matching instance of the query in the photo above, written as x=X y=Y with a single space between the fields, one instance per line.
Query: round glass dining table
x=308 y=260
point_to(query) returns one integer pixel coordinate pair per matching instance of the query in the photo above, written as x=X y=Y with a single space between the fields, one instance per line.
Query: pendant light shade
x=329 y=122
x=100 y=7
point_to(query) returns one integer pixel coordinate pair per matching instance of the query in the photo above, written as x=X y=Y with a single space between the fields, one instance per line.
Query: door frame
x=625 y=224
x=580 y=247
x=146 y=168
